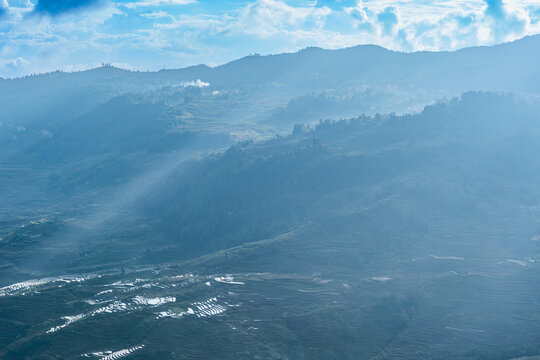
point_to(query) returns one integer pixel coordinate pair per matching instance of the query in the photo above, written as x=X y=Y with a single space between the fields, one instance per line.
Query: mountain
x=466 y=69
x=348 y=204
x=51 y=118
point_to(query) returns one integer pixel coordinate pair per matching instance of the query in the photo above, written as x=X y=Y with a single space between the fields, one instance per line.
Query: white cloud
x=13 y=65
x=157 y=15
x=388 y=19
x=265 y=18
x=155 y=3
x=198 y=83
x=442 y=24
x=46 y=133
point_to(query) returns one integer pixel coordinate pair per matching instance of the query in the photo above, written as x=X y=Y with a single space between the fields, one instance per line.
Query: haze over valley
x=356 y=203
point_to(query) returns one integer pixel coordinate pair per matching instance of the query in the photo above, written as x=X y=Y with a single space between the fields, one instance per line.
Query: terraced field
x=434 y=306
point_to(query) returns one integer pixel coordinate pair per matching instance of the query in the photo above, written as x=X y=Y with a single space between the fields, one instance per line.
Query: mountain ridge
x=352 y=49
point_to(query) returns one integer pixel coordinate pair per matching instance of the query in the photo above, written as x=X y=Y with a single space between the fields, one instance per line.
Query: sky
x=39 y=36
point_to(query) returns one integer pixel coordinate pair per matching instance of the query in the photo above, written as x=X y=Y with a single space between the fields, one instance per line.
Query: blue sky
x=45 y=35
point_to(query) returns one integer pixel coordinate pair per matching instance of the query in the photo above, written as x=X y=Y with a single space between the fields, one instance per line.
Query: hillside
x=396 y=232
x=348 y=204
